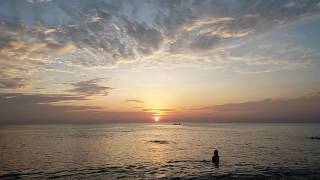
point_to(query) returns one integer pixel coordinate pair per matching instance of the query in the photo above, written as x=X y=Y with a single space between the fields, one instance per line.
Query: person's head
x=216 y=153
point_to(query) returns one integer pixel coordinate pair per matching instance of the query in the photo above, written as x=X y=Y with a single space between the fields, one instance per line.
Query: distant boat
x=315 y=137
x=176 y=124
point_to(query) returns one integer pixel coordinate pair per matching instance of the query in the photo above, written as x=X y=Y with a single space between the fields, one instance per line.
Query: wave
x=183 y=169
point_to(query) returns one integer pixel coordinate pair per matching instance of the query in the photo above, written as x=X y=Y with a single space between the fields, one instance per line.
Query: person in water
x=215 y=157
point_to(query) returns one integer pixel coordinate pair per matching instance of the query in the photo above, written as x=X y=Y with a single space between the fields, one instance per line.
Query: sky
x=169 y=61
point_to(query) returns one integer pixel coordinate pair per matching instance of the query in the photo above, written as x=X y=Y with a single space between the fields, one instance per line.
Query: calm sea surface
x=149 y=151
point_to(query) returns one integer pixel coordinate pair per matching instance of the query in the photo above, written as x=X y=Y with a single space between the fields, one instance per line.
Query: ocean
x=160 y=151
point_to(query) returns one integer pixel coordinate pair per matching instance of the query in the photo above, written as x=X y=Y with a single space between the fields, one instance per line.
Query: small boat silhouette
x=315 y=137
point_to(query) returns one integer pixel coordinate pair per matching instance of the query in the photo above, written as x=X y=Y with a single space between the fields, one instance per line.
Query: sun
x=156 y=119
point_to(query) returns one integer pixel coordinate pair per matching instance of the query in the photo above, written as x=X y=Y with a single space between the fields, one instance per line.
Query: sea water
x=155 y=151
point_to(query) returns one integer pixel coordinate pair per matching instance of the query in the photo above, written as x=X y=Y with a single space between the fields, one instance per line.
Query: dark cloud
x=148 y=39
x=58 y=108
x=90 y=88
x=40 y=99
x=14 y=83
x=205 y=42
x=18 y=107
x=275 y=110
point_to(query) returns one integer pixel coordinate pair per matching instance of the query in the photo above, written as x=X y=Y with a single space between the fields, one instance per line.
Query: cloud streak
x=135 y=101
x=159 y=112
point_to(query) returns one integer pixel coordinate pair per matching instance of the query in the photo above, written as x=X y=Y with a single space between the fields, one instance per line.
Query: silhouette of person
x=215 y=158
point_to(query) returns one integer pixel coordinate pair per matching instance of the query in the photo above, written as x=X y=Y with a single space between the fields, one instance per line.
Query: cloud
x=26 y=47
x=279 y=51
x=135 y=101
x=290 y=4
x=15 y=83
x=107 y=33
x=37 y=1
x=50 y=37
x=89 y=88
x=148 y=39
x=58 y=108
x=20 y=107
x=24 y=52
x=208 y=33
x=162 y=110
x=305 y=108
x=159 y=112
x=47 y=99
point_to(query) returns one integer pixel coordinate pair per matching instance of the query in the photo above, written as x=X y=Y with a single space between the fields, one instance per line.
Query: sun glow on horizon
x=156 y=118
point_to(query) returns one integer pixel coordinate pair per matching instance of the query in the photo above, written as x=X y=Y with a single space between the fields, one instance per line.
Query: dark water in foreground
x=149 y=151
